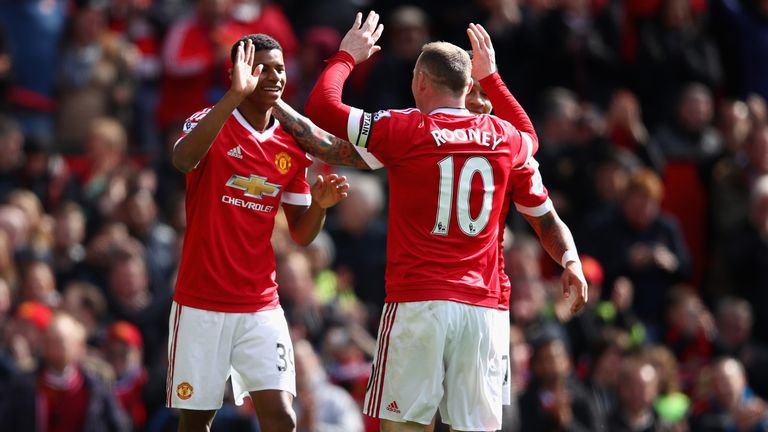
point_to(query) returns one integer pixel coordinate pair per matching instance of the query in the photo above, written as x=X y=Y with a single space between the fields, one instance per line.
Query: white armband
x=569 y=255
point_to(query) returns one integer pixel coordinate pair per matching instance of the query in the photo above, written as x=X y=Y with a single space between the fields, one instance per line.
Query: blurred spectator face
x=521 y=260
x=11 y=144
x=526 y=300
x=213 y=10
x=734 y=323
x=5 y=299
x=757 y=150
x=639 y=386
x=319 y=43
x=141 y=212
x=729 y=382
x=665 y=363
x=107 y=141
x=362 y=205
x=128 y=279
x=409 y=31
x=321 y=252
x=294 y=277
x=88 y=25
x=64 y=342
x=696 y=109
x=640 y=209
x=560 y=116
x=734 y=124
x=611 y=181
x=86 y=303
x=39 y=284
x=676 y=14
x=69 y=227
x=685 y=316
x=520 y=359
x=477 y=101
x=15 y=225
x=123 y=348
x=30 y=204
x=551 y=363
x=28 y=326
x=608 y=366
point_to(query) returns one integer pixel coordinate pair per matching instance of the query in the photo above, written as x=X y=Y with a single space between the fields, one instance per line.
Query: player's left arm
x=304 y=223
x=557 y=240
x=315 y=141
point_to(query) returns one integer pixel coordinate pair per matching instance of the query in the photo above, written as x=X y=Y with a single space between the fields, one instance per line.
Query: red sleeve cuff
x=343 y=57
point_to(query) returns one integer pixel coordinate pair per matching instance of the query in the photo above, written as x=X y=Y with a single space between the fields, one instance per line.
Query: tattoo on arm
x=554 y=235
x=317 y=142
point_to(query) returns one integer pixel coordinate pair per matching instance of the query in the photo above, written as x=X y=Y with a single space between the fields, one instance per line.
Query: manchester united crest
x=283 y=162
x=184 y=391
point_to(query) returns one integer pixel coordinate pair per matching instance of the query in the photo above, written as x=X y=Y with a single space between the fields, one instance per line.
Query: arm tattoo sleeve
x=553 y=233
x=317 y=142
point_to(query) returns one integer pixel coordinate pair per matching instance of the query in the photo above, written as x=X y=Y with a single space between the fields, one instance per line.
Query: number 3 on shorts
x=284 y=357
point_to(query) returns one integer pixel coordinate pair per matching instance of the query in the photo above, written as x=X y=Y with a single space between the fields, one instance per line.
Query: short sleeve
x=528 y=192
x=297 y=191
x=190 y=124
x=376 y=135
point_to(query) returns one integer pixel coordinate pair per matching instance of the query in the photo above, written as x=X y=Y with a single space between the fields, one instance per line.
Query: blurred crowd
x=653 y=126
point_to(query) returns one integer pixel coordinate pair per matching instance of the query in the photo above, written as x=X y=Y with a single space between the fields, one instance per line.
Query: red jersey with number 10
x=448 y=176
x=227 y=263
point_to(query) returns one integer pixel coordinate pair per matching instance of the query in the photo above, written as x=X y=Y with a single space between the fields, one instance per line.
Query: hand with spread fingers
x=360 y=40
x=244 y=76
x=483 y=55
x=328 y=191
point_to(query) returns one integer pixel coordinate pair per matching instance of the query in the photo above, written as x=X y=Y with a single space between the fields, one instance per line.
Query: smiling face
x=477 y=101
x=272 y=78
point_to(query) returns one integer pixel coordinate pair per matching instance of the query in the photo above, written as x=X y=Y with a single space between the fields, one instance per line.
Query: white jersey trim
x=359 y=125
x=537 y=211
x=261 y=136
x=454 y=111
x=528 y=143
x=299 y=199
x=371 y=160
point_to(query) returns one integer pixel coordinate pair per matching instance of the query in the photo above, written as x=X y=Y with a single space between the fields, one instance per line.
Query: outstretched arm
x=324 y=104
x=484 y=70
x=315 y=141
x=557 y=240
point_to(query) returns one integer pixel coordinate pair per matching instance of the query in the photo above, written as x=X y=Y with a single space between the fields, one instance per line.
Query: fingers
x=582 y=298
x=240 y=55
x=257 y=70
x=473 y=39
x=377 y=34
x=371 y=22
x=486 y=37
x=358 y=21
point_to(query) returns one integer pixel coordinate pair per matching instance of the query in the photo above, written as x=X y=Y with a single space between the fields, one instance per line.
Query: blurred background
x=653 y=126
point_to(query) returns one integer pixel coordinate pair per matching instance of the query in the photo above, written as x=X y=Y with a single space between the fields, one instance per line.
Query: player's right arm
x=190 y=149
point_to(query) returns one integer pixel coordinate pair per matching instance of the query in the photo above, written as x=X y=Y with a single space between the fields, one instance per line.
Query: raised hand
x=360 y=40
x=327 y=192
x=244 y=76
x=483 y=55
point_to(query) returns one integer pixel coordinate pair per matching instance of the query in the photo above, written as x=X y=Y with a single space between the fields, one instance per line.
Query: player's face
x=477 y=101
x=272 y=78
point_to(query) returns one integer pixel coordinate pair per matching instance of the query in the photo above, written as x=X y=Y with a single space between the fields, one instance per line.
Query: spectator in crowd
x=68 y=251
x=298 y=297
x=637 y=393
x=734 y=320
x=748 y=253
x=672 y=405
x=319 y=404
x=38 y=284
x=730 y=405
x=674 y=48
x=62 y=394
x=12 y=149
x=602 y=383
x=317 y=44
x=553 y=400
x=123 y=350
x=643 y=244
x=25 y=333
x=87 y=304
x=40 y=224
x=93 y=78
x=32 y=95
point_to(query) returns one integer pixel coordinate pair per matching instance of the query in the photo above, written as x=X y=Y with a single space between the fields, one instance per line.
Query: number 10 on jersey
x=468 y=225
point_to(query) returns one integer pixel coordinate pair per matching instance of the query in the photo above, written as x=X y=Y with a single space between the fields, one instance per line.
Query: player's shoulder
x=194 y=119
x=395 y=113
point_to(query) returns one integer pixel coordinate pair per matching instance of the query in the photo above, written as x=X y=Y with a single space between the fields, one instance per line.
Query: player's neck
x=443 y=101
x=258 y=117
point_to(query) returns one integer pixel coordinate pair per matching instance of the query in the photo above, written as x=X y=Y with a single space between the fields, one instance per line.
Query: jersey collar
x=261 y=136
x=453 y=111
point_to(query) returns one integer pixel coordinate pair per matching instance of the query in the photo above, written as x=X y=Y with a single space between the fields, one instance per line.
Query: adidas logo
x=393 y=407
x=236 y=152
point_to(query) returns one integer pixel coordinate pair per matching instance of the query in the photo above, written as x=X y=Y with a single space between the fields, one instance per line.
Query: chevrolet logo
x=254 y=186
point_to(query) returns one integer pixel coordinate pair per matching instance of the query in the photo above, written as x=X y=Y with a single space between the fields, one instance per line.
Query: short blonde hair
x=111 y=132
x=447 y=65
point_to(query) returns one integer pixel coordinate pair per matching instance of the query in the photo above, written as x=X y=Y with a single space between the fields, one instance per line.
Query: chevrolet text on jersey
x=484 y=138
x=246 y=204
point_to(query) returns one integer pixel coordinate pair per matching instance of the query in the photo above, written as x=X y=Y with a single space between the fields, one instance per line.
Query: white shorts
x=437 y=354
x=206 y=347
x=503 y=334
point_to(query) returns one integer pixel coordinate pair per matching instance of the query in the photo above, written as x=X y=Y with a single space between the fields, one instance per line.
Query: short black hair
x=259 y=40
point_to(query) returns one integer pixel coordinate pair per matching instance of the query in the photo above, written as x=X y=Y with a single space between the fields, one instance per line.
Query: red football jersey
x=531 y=198
x=448 y=177
x=232 y=197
